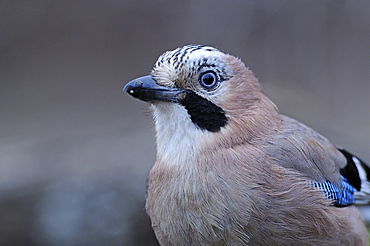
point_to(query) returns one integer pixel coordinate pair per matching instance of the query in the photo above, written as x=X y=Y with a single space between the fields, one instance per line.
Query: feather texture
x=230 y=170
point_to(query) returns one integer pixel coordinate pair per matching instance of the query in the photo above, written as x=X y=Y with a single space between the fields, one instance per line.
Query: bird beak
x=146 y=89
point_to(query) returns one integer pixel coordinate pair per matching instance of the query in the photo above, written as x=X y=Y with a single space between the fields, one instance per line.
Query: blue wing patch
x=341 y=197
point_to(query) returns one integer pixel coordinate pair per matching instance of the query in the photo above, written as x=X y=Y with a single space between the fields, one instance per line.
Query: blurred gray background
x=75 y=151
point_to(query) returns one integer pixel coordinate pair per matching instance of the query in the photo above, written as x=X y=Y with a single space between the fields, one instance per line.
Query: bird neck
x=178 y=138
x=248 y=126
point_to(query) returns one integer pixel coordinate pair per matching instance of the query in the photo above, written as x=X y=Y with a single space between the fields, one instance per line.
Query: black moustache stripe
x=203 y=113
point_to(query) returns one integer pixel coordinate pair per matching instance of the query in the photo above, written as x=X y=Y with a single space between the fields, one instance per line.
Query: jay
x=231 y=170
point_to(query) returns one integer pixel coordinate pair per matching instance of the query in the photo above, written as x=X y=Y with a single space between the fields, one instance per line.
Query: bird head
x=204 y=89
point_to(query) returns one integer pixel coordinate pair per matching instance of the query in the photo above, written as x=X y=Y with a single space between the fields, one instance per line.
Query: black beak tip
x=126 y=88
x=132 y=88
x=131 y=85
x=146 y=89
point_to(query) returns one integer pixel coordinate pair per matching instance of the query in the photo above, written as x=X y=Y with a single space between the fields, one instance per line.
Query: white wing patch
x=362 y=196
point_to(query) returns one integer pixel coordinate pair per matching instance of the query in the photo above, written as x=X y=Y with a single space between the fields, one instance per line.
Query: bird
x=231 y=170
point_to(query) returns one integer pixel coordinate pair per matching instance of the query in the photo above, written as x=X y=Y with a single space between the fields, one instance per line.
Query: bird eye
x=208 y=80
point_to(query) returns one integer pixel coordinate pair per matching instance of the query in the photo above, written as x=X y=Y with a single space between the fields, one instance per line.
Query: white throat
x=178 y=139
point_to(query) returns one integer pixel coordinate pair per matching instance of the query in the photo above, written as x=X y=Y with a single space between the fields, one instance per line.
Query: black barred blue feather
x=354 y=187
x=342 y=196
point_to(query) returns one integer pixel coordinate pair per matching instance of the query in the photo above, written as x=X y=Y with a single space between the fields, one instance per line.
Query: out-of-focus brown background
x=75 y=151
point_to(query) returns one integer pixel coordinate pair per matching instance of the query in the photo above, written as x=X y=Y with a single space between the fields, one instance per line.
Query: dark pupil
x=208 y=79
